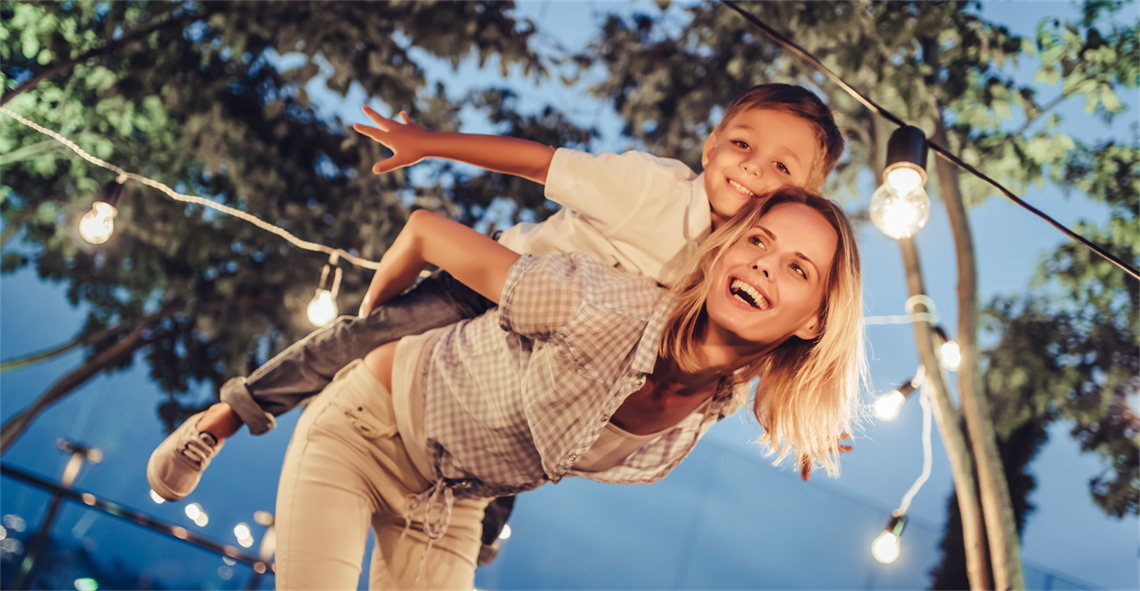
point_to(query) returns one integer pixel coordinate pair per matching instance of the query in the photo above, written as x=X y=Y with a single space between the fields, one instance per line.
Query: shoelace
x=198 y=449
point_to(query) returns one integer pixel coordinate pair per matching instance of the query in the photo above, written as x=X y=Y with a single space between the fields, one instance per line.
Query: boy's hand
x=406 y=140
x=805 y=467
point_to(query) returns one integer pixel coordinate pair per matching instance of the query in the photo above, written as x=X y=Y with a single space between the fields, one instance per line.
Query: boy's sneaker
x=177 y=464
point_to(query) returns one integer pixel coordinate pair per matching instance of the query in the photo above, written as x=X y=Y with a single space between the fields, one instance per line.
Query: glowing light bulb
x=157 y=499
x=322 y=309
x=98 y=224
x=887 y=407
x=886 y=547
x=193 y=510
x=202 y=519
x=904 y=179
x=951 y=355
x=241 y=530
x=899 y=214
x=506 y=532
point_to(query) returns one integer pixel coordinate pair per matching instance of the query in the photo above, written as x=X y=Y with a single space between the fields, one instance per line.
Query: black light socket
x=110 y=193
x=907 y=144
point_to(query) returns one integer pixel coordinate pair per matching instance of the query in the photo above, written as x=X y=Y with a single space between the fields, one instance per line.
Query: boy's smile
x=755 y=152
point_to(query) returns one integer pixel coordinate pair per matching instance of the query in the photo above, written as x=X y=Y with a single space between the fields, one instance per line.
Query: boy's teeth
x=748 y=294
x=741 y=188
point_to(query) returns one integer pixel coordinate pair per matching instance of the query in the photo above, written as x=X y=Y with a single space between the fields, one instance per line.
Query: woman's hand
x=805 y=466
x=408 y=141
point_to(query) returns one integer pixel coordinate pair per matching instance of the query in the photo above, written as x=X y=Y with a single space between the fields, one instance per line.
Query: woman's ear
x=810 y=330
x=710 y=145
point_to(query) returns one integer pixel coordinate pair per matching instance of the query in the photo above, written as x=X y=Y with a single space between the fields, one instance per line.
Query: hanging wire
x=124 y=175
x=937 y=149
x=927 y=451
x=930 y=316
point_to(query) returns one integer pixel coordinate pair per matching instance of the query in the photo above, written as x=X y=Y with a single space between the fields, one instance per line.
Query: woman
x=581 y=371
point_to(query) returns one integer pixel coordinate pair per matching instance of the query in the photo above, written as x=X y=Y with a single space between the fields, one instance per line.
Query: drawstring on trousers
x=433 y=531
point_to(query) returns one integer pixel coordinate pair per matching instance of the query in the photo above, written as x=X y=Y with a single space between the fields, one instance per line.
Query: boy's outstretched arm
x=411 y=143
x=474 y=259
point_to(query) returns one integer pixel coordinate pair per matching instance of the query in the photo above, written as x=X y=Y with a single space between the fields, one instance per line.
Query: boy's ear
x=710 y=145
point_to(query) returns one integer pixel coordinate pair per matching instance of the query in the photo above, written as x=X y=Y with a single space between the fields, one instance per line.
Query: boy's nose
x=750 y=167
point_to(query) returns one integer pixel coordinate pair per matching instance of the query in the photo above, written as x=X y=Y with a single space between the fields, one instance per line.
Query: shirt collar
x=700 y=213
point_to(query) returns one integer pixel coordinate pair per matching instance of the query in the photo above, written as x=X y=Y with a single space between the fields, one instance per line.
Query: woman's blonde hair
x=808 y=392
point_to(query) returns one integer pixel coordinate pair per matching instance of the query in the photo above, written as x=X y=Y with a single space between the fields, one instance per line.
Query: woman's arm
x=474 y=259
x=411 y=143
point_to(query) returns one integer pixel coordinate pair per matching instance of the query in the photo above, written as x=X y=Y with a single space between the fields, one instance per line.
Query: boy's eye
x=740 y=144
x=784 y=169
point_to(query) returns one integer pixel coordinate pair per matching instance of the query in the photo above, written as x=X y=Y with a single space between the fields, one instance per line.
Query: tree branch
x=34 y=81
x=17 y=425
x=79 y=341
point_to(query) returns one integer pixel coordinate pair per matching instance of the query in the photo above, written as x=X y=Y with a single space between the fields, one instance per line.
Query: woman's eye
x=740 y=144
x=784 y=169
x=756 y=241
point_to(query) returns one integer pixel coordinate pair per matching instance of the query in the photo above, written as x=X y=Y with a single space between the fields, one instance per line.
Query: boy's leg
x=299 y=373
x=302 y=370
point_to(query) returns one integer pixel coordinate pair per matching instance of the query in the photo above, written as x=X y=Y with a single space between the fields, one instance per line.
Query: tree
x=200 y=100
x=667 y=79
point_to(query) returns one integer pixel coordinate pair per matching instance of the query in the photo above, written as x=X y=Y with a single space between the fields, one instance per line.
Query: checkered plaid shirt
x=513 y=398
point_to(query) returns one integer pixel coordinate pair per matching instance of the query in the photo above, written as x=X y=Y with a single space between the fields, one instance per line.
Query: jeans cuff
x=237 y=396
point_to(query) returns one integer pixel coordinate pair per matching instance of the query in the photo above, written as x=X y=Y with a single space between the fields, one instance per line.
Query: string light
x=949 y=353
x=124 y=175
x=900 y=206
x=886 y=547
x=887 y=407
x=322 y=309
x=97 y=226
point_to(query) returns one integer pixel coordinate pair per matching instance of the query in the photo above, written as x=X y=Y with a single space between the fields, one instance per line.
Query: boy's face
x=758 y=150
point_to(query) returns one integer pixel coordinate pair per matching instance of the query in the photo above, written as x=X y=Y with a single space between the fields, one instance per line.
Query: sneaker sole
x=157 y=486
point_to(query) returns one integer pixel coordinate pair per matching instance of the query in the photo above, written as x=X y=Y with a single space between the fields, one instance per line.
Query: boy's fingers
x=371 y=132
x=376 y=118
x=404 y=117
x=388 y=165
x=846 y=448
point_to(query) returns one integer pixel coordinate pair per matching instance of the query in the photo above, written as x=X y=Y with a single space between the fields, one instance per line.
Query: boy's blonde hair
x=808 y=392
x=801 y=102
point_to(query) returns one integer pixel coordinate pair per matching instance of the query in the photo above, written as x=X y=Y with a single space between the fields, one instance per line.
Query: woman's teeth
x=740 y=188
x=748 y=294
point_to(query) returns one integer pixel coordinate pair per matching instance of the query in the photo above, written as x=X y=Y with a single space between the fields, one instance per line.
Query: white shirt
x=642 y=214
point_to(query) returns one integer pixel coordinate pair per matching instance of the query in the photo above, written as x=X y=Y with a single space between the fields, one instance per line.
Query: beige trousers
x=346 y=469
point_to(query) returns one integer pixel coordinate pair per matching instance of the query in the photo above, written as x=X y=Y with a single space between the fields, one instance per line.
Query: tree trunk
x=961 y=463
x=15 y=427
x=1000 y=523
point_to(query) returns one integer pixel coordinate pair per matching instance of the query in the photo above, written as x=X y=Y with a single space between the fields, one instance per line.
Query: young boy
x=637 y=212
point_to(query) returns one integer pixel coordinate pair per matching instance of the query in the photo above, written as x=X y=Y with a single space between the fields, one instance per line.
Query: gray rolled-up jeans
x=304 y=369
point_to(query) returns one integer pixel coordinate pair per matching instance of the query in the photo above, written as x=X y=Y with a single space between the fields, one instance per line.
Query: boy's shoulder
x=633 y=158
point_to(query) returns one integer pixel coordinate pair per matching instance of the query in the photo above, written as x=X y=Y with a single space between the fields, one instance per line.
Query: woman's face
x=769 y=284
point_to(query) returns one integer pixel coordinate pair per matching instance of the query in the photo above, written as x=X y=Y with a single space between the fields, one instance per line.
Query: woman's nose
x=761 y=266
